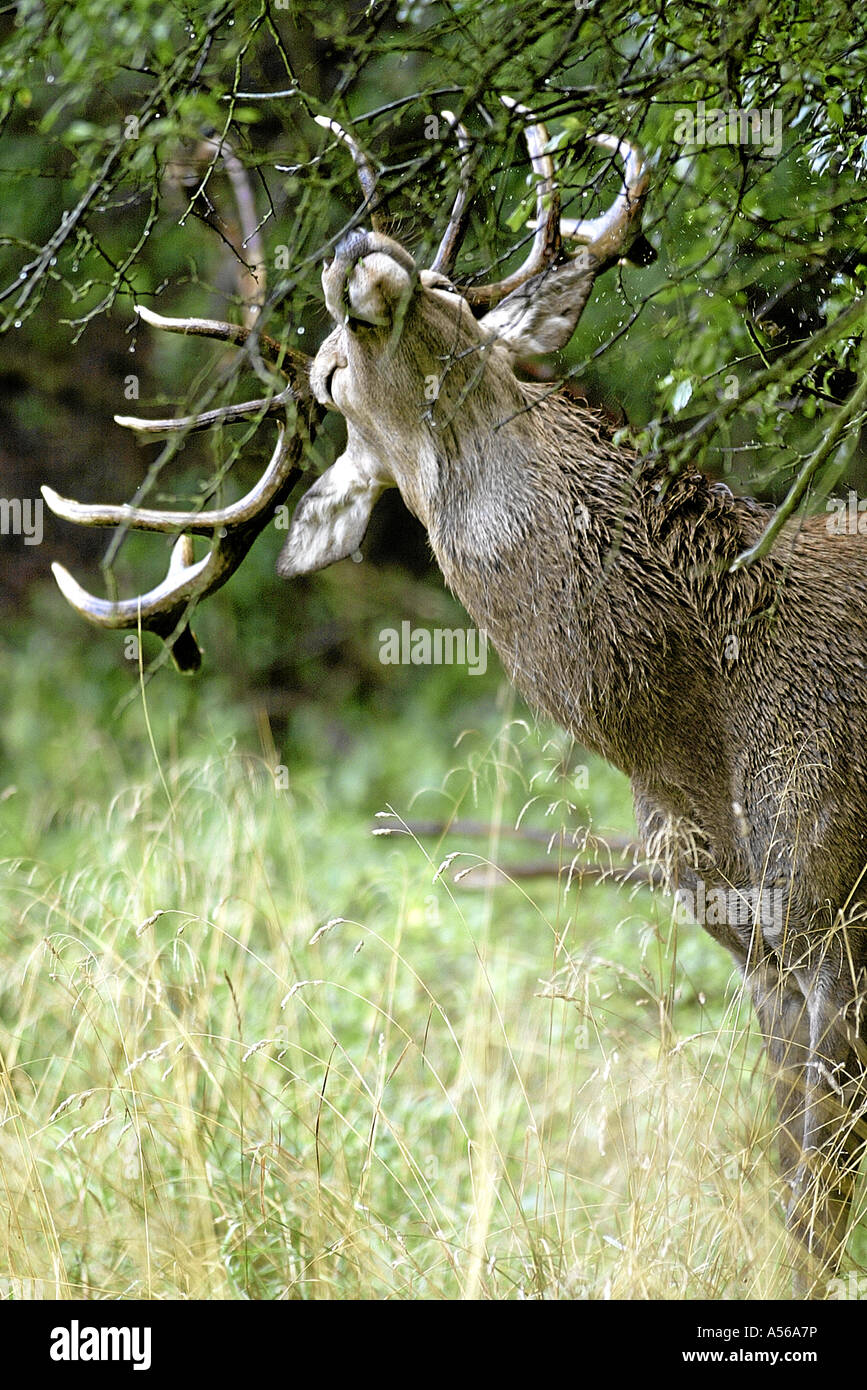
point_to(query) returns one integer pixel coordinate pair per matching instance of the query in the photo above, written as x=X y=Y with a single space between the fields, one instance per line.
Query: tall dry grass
x=253 y=1050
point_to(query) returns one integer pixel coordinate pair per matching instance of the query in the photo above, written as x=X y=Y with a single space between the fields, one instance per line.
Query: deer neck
x=550 y=545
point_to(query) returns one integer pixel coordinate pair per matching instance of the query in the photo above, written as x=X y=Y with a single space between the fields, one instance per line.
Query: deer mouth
x=329 y=381
x=330 y=359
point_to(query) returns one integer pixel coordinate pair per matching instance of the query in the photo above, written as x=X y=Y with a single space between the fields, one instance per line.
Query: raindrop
x=23 y=275
x=17 y=323
x=301 y=329
x=50 y=78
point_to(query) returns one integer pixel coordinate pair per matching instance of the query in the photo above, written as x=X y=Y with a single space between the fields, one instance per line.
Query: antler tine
x=607 y=236
x=197 y=523
x=294 y=364
x=444 y=260
x=162 y=610
x=241 y=234
x=221 y=415
x=546 y=240
x=363 y=167
x=236 y=333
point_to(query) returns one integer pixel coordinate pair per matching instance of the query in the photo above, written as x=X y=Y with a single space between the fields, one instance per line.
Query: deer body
x=734 y=701
x=754 y=766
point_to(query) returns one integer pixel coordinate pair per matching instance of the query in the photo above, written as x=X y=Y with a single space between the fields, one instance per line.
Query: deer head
x=416 y=365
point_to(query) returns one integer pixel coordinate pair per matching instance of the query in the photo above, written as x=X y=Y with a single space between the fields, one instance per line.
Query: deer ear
x=331 y=518
x=542 y=314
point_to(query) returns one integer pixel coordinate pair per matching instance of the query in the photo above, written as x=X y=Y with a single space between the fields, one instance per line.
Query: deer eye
x=442 y=282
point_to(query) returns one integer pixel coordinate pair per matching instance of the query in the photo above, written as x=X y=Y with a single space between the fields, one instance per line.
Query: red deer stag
x=732 y=698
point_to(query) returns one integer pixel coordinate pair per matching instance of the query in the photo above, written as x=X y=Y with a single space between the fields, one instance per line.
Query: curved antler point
x=149 y=315
x=70 y=588
x=54 y=499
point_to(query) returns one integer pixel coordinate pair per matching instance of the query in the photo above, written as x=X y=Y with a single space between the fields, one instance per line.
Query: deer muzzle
x=369 y=278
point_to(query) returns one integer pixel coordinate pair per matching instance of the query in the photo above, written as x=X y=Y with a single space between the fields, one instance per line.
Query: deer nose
x=361 y=242
x=353 y=246
x=335 y=277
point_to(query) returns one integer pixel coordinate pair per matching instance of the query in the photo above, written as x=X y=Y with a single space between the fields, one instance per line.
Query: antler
x=291 y=363
x=546 y=243
x=444 y=260
x=538 y=307
x=165 y=609
x=604 y=239
x=614 y=234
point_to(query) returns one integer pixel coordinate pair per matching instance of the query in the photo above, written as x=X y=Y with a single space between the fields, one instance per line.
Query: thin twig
x=809 y=468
